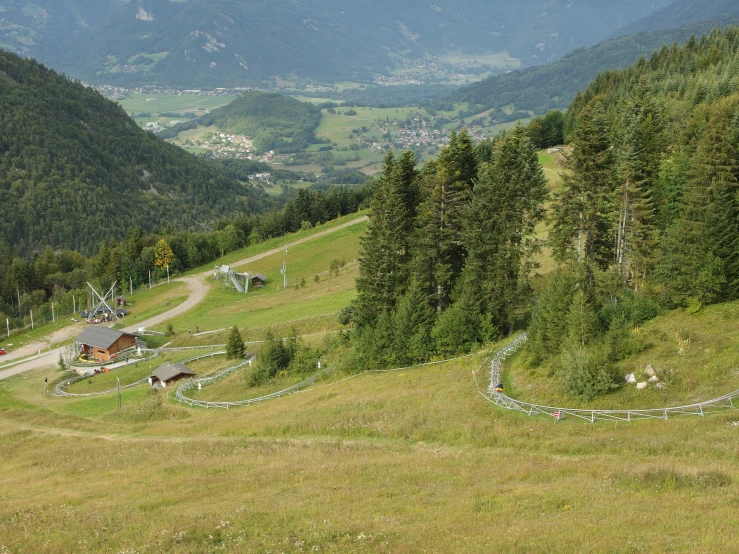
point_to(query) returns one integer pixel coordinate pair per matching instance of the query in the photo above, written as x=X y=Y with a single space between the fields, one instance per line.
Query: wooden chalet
x=103 y=344
x=258 y=280
x=170 y=372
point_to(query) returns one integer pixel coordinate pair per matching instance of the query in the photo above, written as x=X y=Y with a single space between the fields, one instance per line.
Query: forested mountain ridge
x=273 y=121
x=206 y=44
x=554 y=85
x=74 y=167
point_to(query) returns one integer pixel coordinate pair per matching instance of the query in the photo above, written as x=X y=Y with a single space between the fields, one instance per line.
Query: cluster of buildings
x=102 y=345
x=122 y=92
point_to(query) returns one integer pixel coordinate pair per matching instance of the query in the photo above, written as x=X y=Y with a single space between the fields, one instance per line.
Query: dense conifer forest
x=74 y=167
x=645 y=219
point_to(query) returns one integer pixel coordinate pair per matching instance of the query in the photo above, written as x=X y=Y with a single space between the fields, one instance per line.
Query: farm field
x=197 y=104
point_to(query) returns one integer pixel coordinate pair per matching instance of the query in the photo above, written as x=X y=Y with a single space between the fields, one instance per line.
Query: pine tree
x=412 y=324
x=641 y=149
x=385 y=251
x=699 y=250
x=583 y=210
x=504 y=209
x=235 y=344
x=582 y=321
x=439 y=251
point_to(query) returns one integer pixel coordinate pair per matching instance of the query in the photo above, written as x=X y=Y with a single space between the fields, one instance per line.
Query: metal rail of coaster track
x=193 y=383
x=500 y=399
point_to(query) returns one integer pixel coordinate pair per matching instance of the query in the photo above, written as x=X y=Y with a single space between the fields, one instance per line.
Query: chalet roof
x=259 y=276
x=100 y=337
x=169 y=370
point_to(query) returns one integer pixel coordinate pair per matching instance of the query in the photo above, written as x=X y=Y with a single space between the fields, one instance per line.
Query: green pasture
x=181 y=103
x=497 y=59
x=696 y=357
x=337 y=127
x=271 y=244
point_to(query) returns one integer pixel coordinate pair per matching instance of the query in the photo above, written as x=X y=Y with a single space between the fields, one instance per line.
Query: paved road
x=197 y=291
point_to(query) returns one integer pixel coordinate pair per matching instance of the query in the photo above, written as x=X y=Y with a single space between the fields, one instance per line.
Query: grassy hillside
x=401 y=462
x=405 y=461
x=75 y=167
x=304 y=299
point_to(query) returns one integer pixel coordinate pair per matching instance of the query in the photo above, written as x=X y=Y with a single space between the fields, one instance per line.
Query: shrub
x=585 y=372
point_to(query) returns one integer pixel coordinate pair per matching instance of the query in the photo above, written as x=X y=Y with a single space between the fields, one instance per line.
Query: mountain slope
x=683 y=12
x=554 y=85
x=209 y=43
x=74 y=166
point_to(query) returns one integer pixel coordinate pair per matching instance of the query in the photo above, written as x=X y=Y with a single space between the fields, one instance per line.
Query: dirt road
x=198 y=290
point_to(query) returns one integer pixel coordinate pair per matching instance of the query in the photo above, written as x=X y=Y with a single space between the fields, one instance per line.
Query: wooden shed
x=170 y=372
x=103 y=344
x=120 y=301
x=258 y=280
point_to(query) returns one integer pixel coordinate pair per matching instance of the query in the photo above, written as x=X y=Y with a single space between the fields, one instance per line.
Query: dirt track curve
x=198 y=289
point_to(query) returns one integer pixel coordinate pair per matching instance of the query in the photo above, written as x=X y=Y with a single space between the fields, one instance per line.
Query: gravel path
x=198 y=289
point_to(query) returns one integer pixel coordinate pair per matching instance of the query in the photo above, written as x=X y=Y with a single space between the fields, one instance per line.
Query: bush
x=586 y=372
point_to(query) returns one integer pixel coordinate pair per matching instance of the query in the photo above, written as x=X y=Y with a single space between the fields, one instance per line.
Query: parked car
x=2 y=352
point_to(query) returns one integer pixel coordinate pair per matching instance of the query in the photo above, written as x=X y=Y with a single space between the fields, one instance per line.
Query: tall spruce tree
x=439 y=251
x=583 y=210
x=505 y=206
x=641 y=147
x=383 y=271
x=699 y=251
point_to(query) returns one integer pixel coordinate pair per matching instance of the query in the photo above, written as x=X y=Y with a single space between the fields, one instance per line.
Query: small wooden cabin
x=120 y=301
x=170 y=372
x=103 y=344
x=258 y=280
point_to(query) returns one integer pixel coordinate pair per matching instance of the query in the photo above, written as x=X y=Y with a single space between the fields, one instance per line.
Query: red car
x=2 y=351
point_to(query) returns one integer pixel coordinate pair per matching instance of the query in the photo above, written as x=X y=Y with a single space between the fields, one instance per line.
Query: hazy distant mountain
x=554 y=85
x=207 y=43
x=683 y=12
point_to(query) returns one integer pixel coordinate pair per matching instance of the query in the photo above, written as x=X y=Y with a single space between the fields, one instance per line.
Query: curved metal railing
x=500 y=399
x=190 y=384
